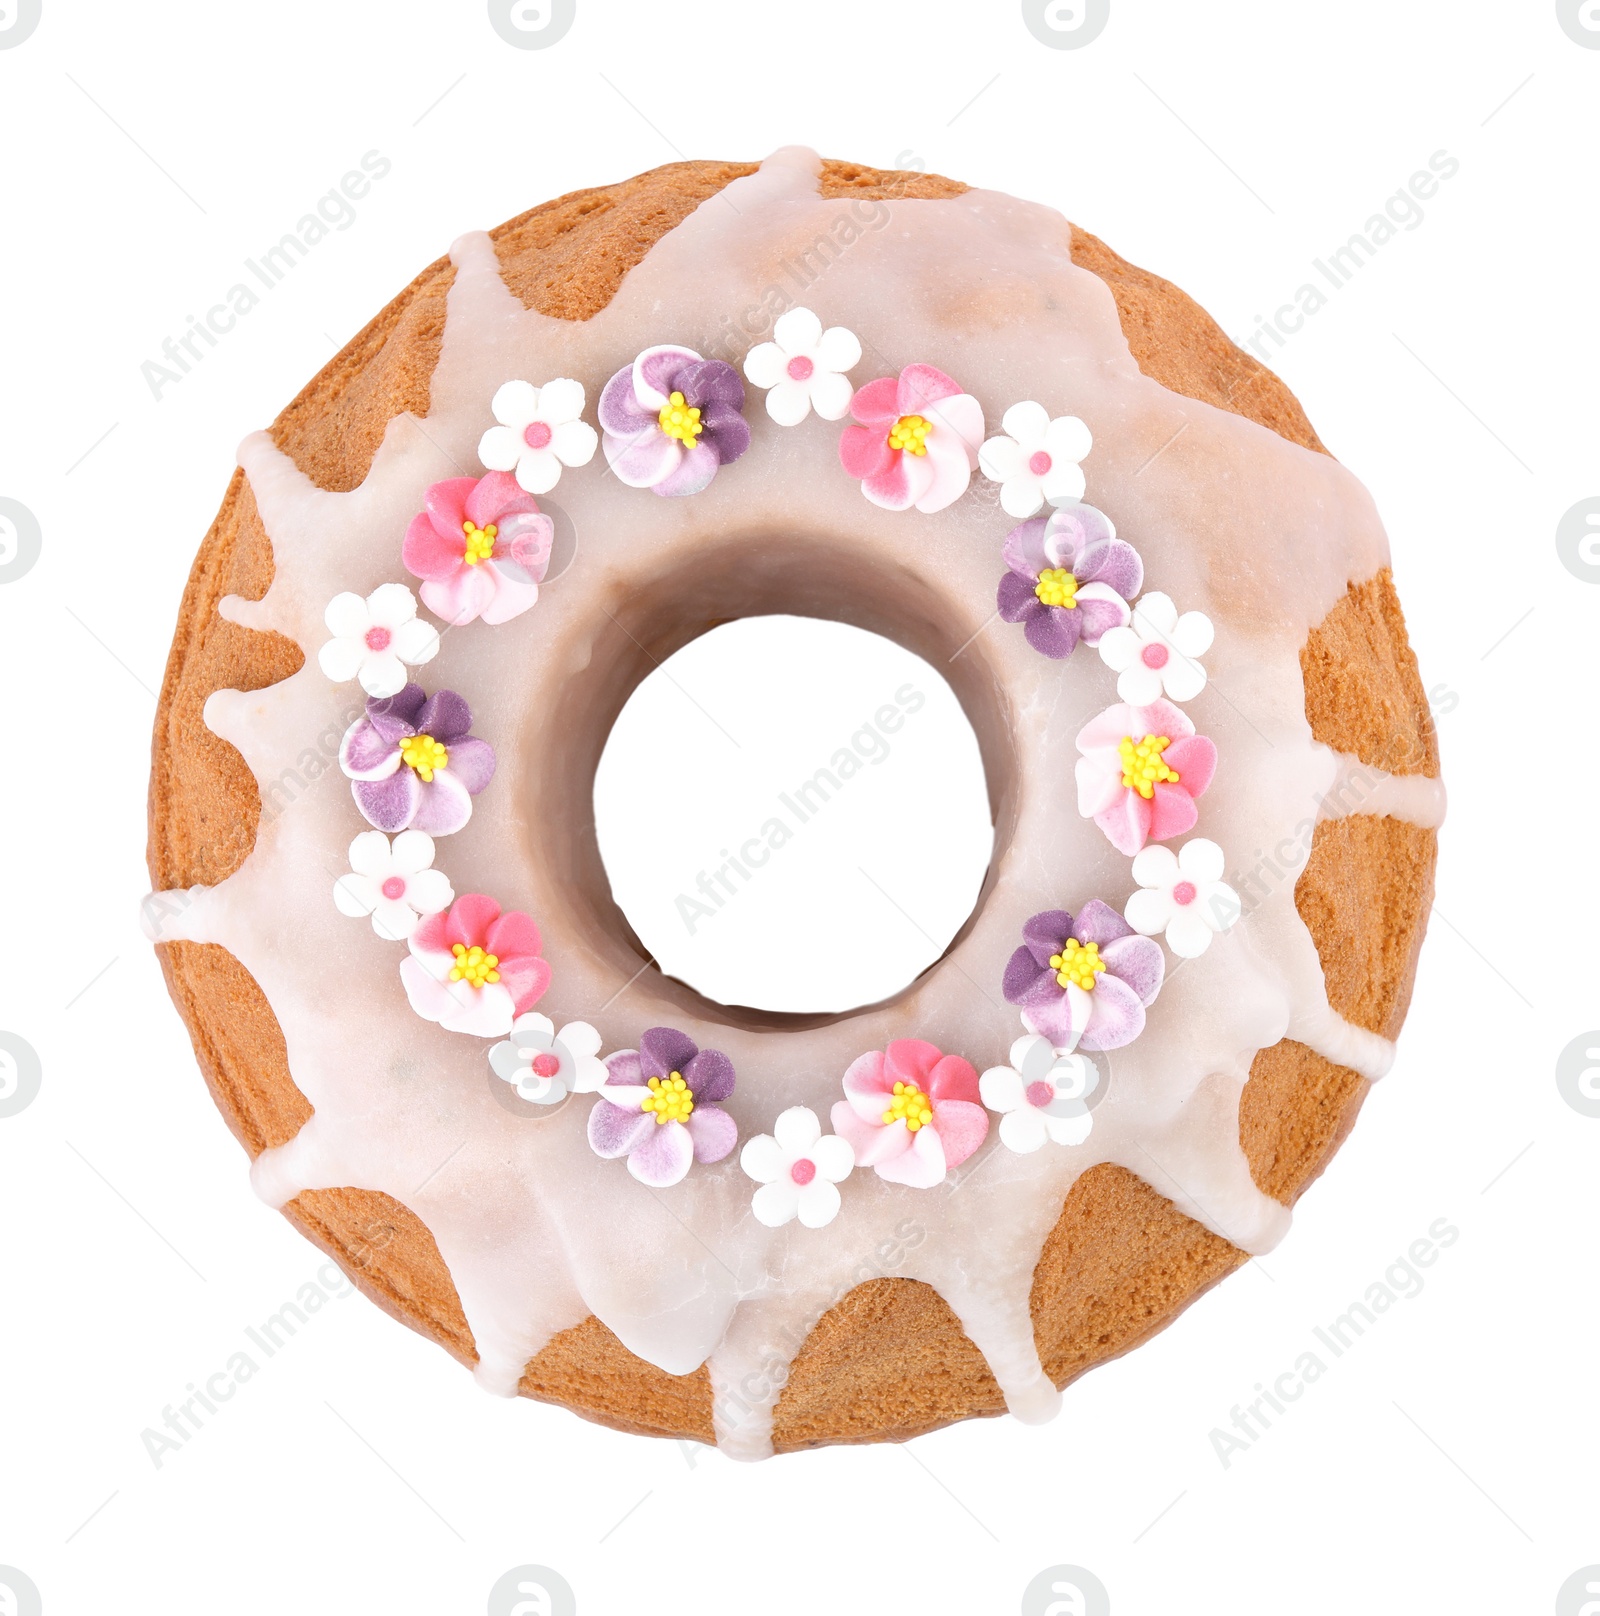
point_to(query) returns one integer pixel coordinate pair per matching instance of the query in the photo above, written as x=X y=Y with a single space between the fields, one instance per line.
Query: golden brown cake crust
x=1121 y=1261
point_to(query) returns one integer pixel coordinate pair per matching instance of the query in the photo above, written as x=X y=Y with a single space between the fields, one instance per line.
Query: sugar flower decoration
x=1043 y=1094
x=911 y=1112
x=1155 y=654
x=803 y=368
x=1141 y=769
x=917 y=441
x=393 y=882
x=412 y=763
x=1036 y=462
x=481 y=547
x=671 y=419
x=798 y=1170
x=544 y=1065
x=657 y=1107
x=541 y=430
x=1182 y=894
x=473 y=969
x=374 y=639
x=1070 y=578
x=1084 y=982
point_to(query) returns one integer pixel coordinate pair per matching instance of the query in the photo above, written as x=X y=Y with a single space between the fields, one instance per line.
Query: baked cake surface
x=880 y=1352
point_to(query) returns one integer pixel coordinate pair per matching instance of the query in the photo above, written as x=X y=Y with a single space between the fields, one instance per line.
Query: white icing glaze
x=1358 y=788
x=537 y=1232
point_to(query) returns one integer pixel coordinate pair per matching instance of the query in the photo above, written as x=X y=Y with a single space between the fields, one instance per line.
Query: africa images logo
x=1066 y=24
x=20 y=538
x=1578 y=538
x=1578 y=1074
x=19 y=1596
x=20 y=1080
x=532 y=24
x=18 y=19
x=532 y=1590
x=1580 y=21
x=1066 y=1590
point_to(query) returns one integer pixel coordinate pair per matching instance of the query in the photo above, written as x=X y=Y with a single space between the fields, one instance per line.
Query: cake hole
x=793 y=815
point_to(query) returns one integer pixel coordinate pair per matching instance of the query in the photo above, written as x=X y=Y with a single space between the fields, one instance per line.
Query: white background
x=1447 y=1460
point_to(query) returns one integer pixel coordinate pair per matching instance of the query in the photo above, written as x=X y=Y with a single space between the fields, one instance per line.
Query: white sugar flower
x=803 y=368
x=1155 y=654
x=544 y=1065
x=394 y=882
x=541 y=430
x=798 y=1170
x=374 y=639
x=1183 y=895
x=1037 y=461
x=1043 y=1094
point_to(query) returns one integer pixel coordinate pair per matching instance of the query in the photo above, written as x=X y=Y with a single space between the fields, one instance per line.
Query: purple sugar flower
x=1084 y=983
x=412 y=764
x=671 y=418
x=655 y=1107
x=1071 y=579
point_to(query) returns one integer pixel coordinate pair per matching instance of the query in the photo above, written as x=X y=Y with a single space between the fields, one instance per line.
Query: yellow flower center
x=424 y=754
x=1057 y=587
x=910 y=1106
x=1077 y=965
x=473 y=966
x=910 y=433
x=480 y=542
x=669 y=1097
x=680 y=420
x=1142 y=765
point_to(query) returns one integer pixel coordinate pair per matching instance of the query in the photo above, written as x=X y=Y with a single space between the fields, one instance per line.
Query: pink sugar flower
x=911 y=1113
x=473 y=969
x=1141 y=769
x=917 y=442
x=481 y=548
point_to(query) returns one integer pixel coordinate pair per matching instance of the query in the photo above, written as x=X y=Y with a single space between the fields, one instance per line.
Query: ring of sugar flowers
x=481 y=547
